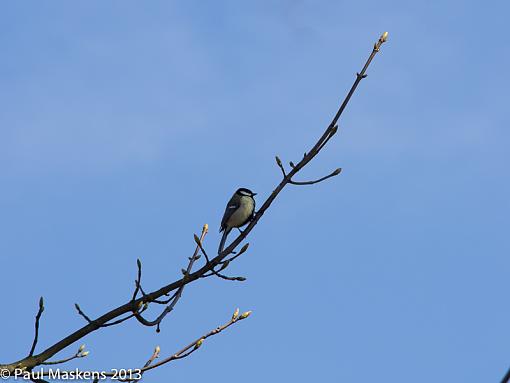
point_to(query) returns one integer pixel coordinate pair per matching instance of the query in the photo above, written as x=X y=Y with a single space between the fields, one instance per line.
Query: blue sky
x=125 y=127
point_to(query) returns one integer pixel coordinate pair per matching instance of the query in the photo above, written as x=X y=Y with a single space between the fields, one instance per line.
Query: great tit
x=239 y=211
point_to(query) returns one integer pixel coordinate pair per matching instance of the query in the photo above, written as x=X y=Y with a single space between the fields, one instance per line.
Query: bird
x=239 y=211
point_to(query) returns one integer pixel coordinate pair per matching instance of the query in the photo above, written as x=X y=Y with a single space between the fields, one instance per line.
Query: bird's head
x=245 y=192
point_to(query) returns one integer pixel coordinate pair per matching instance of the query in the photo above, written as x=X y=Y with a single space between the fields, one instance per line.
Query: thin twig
x=241 y=252
x=201 y=247
x=224 y=266
x=65 y=360
x=116 y=322
x=360 y=76
x=156 y=322
x=182 y=353
x=80 y=353
x=158 y=301
x=334 y=173
x=227 y=278
x=153 y=357
x=195 y=345
x=37 y=319
x=222 y=276
x=280 y=165
x=119 y=321
x=138 y=279
x=80 y=312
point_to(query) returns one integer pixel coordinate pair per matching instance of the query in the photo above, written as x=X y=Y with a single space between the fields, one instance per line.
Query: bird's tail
x=223 y=239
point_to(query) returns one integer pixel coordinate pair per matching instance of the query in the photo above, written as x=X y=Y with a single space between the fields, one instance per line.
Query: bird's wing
x=232 y=206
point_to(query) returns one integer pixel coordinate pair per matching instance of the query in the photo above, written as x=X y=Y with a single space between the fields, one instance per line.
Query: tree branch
x=37 y=319
x=170 y=307
x=196 y=344
x=79 y=354
x=182 y=353
x=506 y=378
x=334 y=173
x=132 y=305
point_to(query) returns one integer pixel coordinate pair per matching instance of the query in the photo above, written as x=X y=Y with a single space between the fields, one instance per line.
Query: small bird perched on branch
x=239 y=211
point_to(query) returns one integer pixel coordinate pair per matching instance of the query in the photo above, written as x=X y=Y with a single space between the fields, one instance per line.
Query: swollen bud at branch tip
x=243 y=249
x=235 y=314
x=157 y=350
x=82 y=347
x=337 y=171
x=384 y=37
x=84 y=354
x=278 y=161
x=206 y=228
x=197 y=240
x=245 y=315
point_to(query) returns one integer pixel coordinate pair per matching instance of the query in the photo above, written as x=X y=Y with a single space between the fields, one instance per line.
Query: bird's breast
x=243 y=213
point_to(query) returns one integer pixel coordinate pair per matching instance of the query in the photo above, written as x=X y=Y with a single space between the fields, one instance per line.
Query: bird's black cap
x=246 y=192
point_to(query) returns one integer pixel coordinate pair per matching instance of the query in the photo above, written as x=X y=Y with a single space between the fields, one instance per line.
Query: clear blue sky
x=125 y=126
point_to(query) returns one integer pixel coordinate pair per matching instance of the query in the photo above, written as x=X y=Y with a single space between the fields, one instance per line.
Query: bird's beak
x=254 y=194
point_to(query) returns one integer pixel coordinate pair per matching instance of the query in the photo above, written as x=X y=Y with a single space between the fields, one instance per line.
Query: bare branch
x=119 y=321
x=506 y=378
x=308 y=156
x=196 y=344
x=37 y=319
x=223 y=264
x=132 y=305
x=81 y=353
x=227 y=278
x=241 y=252
x=183 y=352
x=80 y=311
x=140 y=309
x=138 y=279
x=158 y=301
x=280 y=165
x=170 y=307
x=334 y=173
x=153 y=357
x=219 y=275
x=330 y=135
